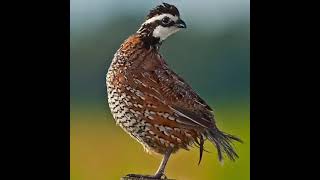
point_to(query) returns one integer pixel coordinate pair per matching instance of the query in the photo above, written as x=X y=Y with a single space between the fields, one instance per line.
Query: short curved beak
x=181 y=24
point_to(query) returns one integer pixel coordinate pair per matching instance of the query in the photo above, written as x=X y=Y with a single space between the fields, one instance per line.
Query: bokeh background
x=212 y=55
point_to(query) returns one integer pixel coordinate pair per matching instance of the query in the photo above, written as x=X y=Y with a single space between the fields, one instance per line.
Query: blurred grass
x=100 y=150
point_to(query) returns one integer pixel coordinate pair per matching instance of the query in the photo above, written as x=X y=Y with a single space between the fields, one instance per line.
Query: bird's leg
x=160 y=171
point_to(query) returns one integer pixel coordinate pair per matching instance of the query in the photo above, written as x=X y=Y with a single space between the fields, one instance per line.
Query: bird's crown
x=165 y=8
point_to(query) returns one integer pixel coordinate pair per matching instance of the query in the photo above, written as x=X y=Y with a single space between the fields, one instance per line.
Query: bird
x=152 y=103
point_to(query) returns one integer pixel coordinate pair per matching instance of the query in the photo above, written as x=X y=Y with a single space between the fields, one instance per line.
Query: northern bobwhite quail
x=152 y=103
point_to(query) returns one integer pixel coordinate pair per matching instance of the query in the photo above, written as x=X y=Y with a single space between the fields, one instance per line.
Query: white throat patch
x=164 y=32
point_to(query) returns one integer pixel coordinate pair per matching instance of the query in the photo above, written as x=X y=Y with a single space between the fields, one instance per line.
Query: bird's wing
x=174 y=94
x=183 y=99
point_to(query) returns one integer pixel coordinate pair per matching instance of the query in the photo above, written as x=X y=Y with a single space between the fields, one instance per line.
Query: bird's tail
x=223 y=143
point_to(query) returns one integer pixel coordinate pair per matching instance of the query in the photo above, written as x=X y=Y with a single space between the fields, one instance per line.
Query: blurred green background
x=212 y=55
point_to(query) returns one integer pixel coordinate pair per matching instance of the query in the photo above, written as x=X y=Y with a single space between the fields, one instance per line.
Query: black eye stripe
x=153 y=25
x=165 y=20
x=168 y=24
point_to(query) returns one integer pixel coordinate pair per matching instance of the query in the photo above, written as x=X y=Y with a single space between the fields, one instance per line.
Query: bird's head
x=161 y=22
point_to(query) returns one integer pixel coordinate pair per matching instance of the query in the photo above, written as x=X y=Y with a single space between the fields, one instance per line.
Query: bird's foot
x=146 y=177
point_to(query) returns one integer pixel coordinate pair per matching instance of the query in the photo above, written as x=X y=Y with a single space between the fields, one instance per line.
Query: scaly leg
x=163 y=164
x=160 y=172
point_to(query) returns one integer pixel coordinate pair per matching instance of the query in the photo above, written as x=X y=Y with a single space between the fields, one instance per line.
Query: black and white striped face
x=162 y=22
x=164 y=25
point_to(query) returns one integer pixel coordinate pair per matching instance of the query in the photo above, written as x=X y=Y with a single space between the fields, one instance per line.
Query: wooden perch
x=142 y=178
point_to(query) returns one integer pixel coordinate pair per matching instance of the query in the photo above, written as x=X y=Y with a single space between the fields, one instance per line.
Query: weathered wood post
x=142 y=178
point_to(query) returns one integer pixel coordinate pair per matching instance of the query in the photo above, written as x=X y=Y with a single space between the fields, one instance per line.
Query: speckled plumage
x=139 y=105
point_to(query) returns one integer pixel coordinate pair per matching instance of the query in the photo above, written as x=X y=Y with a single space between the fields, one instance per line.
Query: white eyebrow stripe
x=159 y=17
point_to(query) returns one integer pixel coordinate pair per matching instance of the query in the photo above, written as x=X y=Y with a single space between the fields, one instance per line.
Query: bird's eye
x=165 y=20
